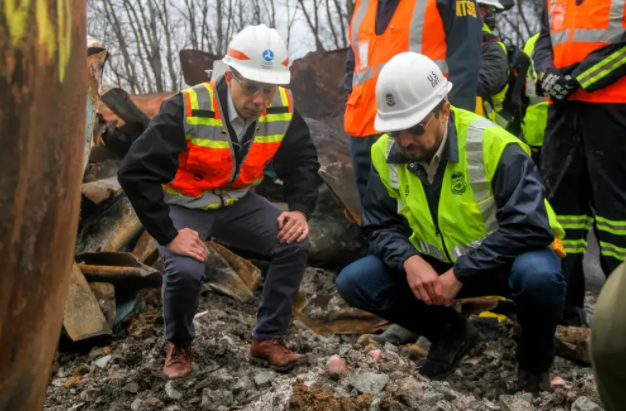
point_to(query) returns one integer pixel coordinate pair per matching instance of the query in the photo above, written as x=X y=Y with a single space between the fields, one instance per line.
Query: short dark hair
x=439 y=107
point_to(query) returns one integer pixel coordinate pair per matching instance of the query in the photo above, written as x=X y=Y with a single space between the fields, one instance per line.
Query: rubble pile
x=126 y=373
x=112 y=348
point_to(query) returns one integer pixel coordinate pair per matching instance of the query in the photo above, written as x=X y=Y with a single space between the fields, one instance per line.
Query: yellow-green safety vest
x=467 y=208
x=491 y=109
x=536 y=118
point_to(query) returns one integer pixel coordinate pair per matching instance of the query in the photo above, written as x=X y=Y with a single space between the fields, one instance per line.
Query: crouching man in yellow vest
x=454 y=208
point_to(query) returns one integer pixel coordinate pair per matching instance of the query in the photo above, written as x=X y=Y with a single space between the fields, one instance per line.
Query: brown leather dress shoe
x=177 y=361
x=275 y=354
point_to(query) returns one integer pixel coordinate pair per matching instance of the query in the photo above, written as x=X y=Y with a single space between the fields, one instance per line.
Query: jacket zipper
x=443 y=242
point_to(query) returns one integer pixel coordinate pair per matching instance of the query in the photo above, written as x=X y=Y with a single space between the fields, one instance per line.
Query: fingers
x=288 y=229
x=294 y=233
x=281 y=220
x=197 y=253
x=422 y=293
x=428 y=287
x=304 y=234
x=438 y=293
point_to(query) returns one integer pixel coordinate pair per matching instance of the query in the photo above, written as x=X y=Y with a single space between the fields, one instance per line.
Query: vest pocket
x=214 y=165
x=474 y=218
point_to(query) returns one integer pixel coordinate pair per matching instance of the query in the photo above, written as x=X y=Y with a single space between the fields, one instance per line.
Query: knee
x=537 y=276
x=361 y=281
x=185 y=274
x=293 y=249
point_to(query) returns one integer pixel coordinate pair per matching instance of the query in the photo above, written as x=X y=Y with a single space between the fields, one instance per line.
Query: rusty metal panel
x=147 y=103
x=42 y=124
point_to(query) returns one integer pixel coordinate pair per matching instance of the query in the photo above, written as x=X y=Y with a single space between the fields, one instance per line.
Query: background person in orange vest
x=581 y=58
x=447 y=31
x=189 y=177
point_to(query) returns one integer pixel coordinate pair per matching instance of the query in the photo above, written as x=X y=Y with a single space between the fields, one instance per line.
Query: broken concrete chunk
x=135 y=405
x=370 y=383
x=103 y=362
x=515 y=403
x=83 y=317
x=443 y=406
x=264 y=378
x=100 y=190
x=244 y=384
x=585 y=404
x=172 y=392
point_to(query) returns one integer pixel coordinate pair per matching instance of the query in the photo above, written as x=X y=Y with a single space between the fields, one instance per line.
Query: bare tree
x=314 y=23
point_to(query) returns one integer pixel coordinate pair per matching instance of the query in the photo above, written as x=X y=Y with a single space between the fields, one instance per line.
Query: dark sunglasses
x=253 y=90
x=418 y=129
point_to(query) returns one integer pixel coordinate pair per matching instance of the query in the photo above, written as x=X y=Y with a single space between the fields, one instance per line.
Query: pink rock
x=335 y=366
x=375 y=355
x=559 y=382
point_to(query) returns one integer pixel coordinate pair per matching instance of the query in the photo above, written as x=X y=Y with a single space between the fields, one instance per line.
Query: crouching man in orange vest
x=189 y=178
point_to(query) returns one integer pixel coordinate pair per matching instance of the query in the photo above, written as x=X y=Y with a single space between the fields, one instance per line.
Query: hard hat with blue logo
x=258 y=53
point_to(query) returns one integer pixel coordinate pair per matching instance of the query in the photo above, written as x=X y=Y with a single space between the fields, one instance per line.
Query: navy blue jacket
x=463 y=38
x=520 y=210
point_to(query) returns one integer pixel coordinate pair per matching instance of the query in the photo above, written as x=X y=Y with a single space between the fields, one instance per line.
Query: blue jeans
x=534 y=281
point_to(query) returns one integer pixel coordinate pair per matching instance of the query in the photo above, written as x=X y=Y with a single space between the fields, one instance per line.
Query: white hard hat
x=408 y=88
x=259 y=54
x=491 y=3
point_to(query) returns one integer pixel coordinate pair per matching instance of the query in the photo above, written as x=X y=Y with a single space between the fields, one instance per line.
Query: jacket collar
x=450 y=150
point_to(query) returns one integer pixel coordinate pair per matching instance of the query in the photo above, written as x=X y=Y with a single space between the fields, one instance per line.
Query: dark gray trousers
x=250 y=223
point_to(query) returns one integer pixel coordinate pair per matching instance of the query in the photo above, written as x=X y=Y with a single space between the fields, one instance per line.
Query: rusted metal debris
x=149 y=104
x=43 y=89
x=248 y=272
x=120 y=103
x=83 y=317
x=97 y=56
x=101 y=190
x=223 y=275
x=146 y=249
x=109 y=228
x=339 y=177
x=195 y=65
x=573 y=343
x=119 y=269
x=105 y=295
x=316 y=77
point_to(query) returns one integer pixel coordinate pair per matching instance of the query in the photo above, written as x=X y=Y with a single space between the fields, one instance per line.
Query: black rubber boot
x=394 y=334
x=445 y=355
x=531 y=382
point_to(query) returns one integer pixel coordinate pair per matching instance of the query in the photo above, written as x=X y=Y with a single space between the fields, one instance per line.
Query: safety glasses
x=418 y=129
x=253 y=90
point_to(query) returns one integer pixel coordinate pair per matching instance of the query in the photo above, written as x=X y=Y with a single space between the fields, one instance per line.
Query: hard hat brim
x=259 y=75
x=496 y=5
x=403 y=122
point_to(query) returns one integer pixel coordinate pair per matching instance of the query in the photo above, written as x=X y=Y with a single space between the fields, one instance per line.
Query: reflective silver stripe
x=275 y=127
x=443 y=65
x=394 y=180
x=463 y=249
x=362 y=77
x=475 y=165
x=400 y=205
x=615 y=227
x=216 y=198
x=476 y=169
x=613 y=31
x=416 y=31
x=559 y=37
x=359 y=15
x=537 y=100
x=432 y=250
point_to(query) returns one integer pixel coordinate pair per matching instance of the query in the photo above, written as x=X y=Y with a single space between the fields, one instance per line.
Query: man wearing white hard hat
x=479 y=225
x=189 y=177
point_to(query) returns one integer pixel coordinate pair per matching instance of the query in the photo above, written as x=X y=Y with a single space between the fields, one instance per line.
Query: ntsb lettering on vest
x=465 y=8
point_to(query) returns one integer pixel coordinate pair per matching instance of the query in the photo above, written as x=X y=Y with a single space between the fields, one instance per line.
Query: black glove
x=557 y=84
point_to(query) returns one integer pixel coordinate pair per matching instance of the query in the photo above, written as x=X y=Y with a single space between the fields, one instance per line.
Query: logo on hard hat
x=390 y=99
x=268 y=55
x=459 y=186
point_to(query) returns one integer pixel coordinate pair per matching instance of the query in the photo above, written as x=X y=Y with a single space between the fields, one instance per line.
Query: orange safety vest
x=578 y=30
x=405 y=32
x=207 y=175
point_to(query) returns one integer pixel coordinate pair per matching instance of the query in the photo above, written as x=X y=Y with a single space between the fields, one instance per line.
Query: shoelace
x=179 y=352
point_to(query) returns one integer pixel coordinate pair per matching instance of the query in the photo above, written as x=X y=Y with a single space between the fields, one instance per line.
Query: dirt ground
x=125 y=372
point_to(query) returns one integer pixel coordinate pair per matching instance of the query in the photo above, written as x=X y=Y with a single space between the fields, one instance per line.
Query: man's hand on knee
x=188 y=243
x=423 y=280
x=293 y=227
